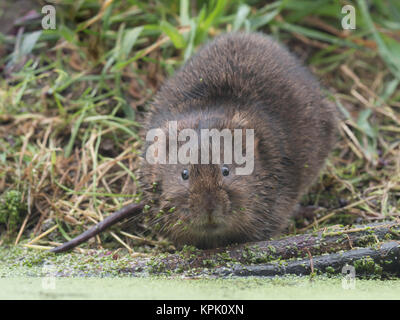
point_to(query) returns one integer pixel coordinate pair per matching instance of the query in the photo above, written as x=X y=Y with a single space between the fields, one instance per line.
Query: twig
x=125 y=212
x=43 y=234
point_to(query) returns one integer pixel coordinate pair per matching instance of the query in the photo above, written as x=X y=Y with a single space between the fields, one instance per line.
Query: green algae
x=16 y=260
x=200 y=288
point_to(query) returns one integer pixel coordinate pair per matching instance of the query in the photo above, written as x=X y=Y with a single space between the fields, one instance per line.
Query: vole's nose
x=211 y=206
x=209 y=202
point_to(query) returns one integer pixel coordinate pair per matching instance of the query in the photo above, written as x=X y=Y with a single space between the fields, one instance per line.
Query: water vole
x=238 y=81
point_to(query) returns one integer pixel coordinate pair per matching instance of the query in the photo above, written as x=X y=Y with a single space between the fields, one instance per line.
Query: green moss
x=253 y=255
x=157 y=226
x=179 y=269
x=272 y=249
x=388 y=236
x=209 y=263
x=156 y=265
x=160 y=214
x=388 y=262
x=330 y=270
x=12 y=210
x=171 y=210
x=225 y=257
x=188 y=252
x=37 y=259
x=178 y=222
x=367 y=266
x=367 y=240
x=395 y=233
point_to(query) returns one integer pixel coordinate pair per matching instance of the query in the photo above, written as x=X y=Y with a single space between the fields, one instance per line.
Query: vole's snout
x=209 y=204
x=209 y=208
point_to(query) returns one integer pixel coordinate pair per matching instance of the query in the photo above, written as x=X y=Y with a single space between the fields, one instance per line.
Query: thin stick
x=127 y=211
x=21 y=230
x=121 y=242
x=43 y=234
x=35 y=246
x=148 y=241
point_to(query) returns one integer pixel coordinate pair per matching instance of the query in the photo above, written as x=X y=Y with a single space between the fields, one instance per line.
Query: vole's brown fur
x=245 y=81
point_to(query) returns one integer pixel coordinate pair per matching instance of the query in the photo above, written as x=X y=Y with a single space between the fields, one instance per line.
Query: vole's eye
x=185 y=174
x=225 y=171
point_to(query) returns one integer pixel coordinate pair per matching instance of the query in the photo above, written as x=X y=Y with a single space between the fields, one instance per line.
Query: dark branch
x=376 y=245
x=125 y=212
x=366 y=261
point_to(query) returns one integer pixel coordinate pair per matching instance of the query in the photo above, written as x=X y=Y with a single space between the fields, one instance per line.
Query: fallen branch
x=384 y=259
x=370 y=248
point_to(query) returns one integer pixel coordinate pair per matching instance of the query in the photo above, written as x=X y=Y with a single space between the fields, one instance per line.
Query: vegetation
x=72 y=100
